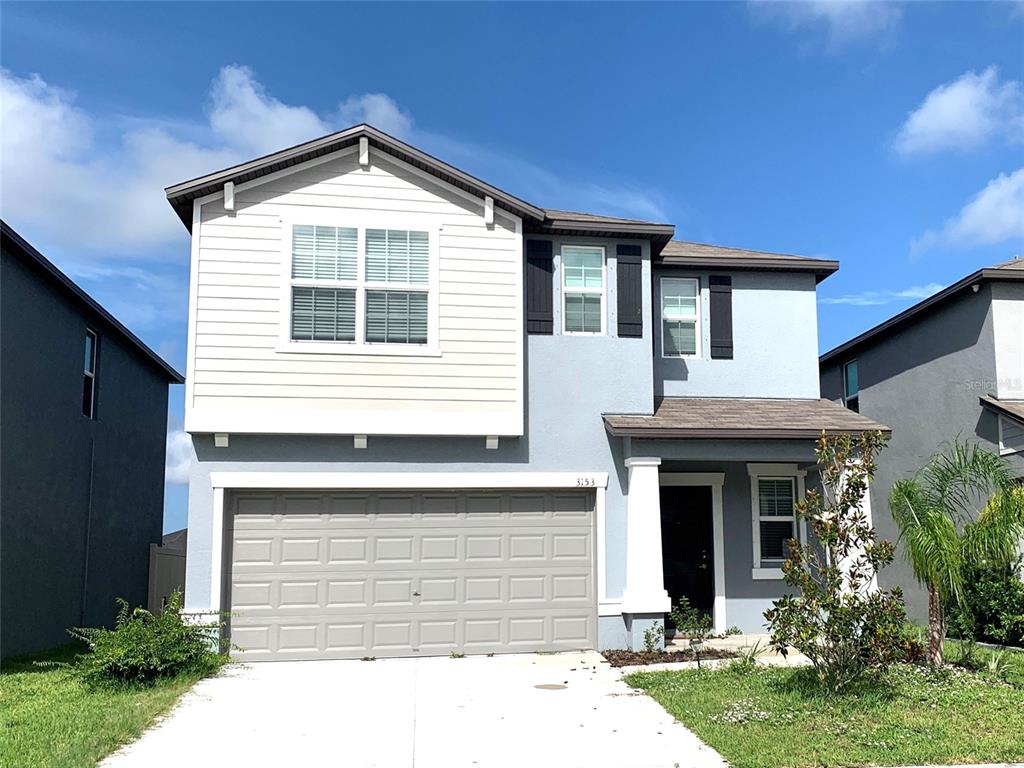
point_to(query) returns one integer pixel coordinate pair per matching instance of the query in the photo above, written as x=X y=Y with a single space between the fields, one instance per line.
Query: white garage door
x=344 y=574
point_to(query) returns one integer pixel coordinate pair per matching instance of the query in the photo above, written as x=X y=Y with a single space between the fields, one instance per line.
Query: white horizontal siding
x=237 y=364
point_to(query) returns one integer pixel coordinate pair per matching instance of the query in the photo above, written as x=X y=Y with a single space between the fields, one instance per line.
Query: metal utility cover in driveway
x=348 y=574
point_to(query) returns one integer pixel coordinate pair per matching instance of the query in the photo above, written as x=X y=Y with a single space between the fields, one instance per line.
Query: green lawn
x=50 y=718
x=770 y=717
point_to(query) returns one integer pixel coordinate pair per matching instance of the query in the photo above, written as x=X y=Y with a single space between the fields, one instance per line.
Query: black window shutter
x=539 y=287
x=629 y=286
x=721 y=316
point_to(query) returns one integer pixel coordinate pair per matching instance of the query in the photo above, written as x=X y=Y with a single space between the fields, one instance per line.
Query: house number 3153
x=585 y=482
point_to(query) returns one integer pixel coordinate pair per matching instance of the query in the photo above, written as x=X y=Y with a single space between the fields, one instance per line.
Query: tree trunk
x=936 y=627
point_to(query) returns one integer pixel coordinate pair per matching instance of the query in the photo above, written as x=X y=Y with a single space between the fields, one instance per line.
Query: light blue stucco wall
x=570 y=382
x=775 y=340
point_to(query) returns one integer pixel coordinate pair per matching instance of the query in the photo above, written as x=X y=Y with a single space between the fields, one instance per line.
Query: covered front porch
x=712 y=488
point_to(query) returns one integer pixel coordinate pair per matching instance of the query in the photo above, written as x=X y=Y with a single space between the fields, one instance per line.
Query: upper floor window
x=680 y=316
x=379 y=299
x=851 y=386
x=583 y=289
x=89 y=375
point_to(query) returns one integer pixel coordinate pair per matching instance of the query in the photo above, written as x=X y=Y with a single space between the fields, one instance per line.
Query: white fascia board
x=202 y=420
x=407 y=480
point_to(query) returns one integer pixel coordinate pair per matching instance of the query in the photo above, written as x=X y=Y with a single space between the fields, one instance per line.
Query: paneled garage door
x=322 y=575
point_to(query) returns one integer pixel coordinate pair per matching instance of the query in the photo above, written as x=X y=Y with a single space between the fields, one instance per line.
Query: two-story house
x=83 y=408
x=429 y=416
x=951 y=367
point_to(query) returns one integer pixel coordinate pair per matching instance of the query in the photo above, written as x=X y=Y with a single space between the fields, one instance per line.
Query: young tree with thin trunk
x=961 y=508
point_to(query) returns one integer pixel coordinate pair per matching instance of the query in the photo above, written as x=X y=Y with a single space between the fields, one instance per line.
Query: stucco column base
x=645 y=583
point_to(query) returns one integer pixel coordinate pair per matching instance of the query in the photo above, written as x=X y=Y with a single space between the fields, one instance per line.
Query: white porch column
x=645 y=582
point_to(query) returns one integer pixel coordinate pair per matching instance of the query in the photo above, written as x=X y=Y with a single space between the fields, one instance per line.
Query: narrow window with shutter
x=539 y=287
x=382 y=299
x=629 y=291
x=720 y=298
x=680 y=316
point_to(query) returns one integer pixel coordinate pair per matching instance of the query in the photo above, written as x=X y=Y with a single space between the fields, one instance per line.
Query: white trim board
x=410 y=480
x=715 y=480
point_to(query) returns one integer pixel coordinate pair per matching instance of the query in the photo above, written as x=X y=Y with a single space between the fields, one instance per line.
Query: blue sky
x=889 y=136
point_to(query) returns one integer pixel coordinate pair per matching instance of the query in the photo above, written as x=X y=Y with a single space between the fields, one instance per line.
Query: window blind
x=323 y=314
x=396 y=317
x=323 y=253
x=397 y=256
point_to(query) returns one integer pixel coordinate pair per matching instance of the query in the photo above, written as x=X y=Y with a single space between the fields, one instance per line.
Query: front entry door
x=687 y=545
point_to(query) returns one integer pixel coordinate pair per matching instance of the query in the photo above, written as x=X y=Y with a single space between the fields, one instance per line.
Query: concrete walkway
x=428 y=713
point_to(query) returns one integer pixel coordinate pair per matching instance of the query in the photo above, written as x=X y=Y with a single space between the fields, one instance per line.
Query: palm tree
x=943 y=530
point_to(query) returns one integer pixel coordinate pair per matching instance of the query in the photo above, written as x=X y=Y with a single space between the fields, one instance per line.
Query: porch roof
x=1012 y=408
x=721 y=417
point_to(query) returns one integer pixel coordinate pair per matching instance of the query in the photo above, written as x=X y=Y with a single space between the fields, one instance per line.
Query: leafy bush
x=689 y=621
x=143 y=648
x=838 y=617
x=992 y=608
x=654 y=638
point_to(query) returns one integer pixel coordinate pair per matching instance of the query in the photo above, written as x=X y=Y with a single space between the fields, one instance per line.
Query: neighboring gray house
x=428 y=415
x=83 y=408
x=950 y=367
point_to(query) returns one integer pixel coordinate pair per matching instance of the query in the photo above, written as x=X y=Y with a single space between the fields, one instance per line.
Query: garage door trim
x=225 y=481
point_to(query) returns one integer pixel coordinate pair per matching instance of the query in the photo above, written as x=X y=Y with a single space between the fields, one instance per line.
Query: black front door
x=687 y=545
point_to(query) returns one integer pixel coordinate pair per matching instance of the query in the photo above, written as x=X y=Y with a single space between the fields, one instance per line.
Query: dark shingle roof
x=1007 y=270
x=1012 y=408
x=21 y=248
x=679 y=253
x=711 y=417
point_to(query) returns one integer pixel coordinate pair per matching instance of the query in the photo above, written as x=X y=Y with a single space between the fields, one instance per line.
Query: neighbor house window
x=583 y=289
x=680 y=316
x=774 y=492
x=379 y=299
x=89 y=375
x=851 y=386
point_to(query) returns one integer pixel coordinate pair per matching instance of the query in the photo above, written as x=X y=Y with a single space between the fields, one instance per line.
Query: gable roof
x=680 y=253
x=21 y=248
x=1004 y=271
x=741 y=417
x=535 y=218
x=181 y=195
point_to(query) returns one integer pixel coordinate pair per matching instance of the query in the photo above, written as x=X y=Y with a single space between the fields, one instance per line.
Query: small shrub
x=993 y=606
x=733 y=631
x=143 y=648
x=837 y=617
x=457 y=655
x=689 y=621
x=654 y=637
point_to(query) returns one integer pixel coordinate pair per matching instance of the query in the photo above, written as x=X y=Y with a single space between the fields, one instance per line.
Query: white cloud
x=875 y=298
x=379 y=110
x=965 y=113
x=994 y=215
x=179 y=457
x=105 y=200
x=254 y=123
x=842 y=21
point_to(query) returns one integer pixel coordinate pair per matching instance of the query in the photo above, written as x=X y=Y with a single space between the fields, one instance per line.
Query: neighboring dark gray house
x=951 y=366
x=83 y=408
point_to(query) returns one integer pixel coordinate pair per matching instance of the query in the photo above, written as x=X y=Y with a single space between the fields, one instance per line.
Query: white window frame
x=93 y=374
x=760 y=472
x=361 y=222
x=856 y=395
x=602 y=291
x=698 y=326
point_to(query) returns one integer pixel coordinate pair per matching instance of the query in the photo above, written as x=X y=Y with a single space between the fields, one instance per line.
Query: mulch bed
x=631 y=658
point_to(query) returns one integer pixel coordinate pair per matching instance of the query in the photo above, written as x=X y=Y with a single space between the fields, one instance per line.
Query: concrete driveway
x=434 y=712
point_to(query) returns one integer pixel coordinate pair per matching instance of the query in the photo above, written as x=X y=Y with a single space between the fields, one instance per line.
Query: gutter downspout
x=88 y=532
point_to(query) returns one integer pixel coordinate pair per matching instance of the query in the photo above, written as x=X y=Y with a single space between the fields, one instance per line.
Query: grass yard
x=49 y=718
x=770 y=717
